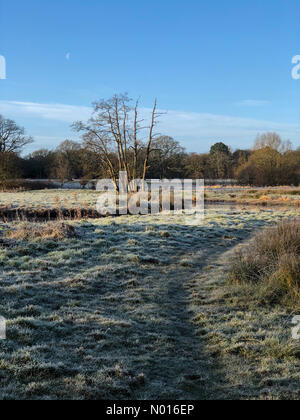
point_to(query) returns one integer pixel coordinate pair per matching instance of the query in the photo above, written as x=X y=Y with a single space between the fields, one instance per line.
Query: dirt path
x=181 y=367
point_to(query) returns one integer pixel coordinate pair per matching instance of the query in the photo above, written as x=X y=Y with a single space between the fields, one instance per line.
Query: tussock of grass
x=30 y=231
x=271 y=262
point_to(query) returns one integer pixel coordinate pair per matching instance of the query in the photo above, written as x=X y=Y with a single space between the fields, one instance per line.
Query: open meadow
x=75 y=203
x=139 y=307
x=271 y=196
x=149 y=203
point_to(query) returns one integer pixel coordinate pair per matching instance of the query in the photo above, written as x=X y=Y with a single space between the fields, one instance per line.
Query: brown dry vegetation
x=16 y=185
x=278 y=196
x=31 y=231
x=271 y=262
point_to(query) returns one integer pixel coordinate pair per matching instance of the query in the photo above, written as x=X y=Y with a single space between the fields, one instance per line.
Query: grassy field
x=41 y=199
x=49 y=199
x=273 y=196
x=138 y=307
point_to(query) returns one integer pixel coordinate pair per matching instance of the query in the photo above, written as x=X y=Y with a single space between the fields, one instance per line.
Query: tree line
x=118 y=137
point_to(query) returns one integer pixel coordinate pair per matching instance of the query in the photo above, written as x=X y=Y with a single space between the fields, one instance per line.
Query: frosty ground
x=138 y=307
x=273 y=196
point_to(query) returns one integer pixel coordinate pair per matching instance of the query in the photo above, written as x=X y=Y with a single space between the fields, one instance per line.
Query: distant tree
x=12 y=141
x=12 y=137
x=271 y=163
x=39 y=164
x=166 y=159
x=69 y=152
x=240 y=158
x=290 y=168
x=245 y=174
x=220 y=165
x=67 y=163
x=272 y=141
x=62 y=170
x=91 y=166
x=262 y=169
x=198 y=166
x=220 y=148
x=10 y=167
x=220 y=161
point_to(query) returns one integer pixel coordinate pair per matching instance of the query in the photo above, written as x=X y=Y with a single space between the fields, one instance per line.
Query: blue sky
x=222 y=69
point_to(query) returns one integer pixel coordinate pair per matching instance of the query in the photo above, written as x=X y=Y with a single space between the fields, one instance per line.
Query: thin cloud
x=68 y=56
x=196 y=131
x=252 y=103
x=57 y=112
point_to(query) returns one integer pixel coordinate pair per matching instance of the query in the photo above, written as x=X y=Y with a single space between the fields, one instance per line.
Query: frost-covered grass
x=138 y=308
x=49 y=199
x=283 y=196
x=271 y=264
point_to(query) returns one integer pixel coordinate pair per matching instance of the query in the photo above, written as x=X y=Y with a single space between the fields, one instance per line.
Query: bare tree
x=272 y=141
x=12 y=137
x=116 y=128
x=150 y=140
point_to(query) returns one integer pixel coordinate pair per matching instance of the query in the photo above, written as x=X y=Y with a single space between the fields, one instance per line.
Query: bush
x=271 y=263
x=24 y=185
x=50 y=230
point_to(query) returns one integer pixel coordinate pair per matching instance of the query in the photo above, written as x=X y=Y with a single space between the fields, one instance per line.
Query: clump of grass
x=288 y=192
x=265 y=198
x=271 y=263
x=50 y=230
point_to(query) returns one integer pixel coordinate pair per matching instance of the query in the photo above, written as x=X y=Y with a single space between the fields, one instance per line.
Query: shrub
x=265 y=198
x=24 y=185
x=50 y=230
x=271 y=263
